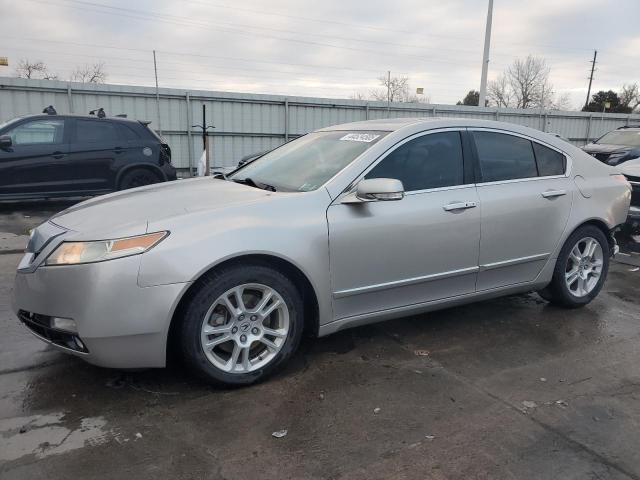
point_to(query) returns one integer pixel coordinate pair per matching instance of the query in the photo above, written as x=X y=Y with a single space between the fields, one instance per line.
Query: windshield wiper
x=253 y=183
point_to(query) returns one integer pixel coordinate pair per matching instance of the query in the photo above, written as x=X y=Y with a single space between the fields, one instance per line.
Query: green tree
x=598 y=100
x=472 y=98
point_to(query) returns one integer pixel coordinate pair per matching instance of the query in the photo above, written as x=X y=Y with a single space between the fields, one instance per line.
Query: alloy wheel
x=245 y=328
x=584 y=266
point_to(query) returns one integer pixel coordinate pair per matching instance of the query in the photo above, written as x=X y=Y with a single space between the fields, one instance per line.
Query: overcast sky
x=329 y=48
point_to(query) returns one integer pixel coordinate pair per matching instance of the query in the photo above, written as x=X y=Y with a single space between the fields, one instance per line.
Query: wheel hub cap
x=245 y=328
x=584 y=266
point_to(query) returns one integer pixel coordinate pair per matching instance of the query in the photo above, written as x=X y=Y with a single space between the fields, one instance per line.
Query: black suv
x=617 y=146
x=50 y=155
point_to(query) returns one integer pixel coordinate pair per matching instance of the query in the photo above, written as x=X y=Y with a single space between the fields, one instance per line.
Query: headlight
x=72 y=253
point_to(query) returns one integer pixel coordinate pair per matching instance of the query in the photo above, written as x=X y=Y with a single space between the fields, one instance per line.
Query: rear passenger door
x=95 y=147
x=525 y=199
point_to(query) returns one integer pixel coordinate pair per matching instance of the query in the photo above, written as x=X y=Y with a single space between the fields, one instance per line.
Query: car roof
x=400 y=127
x=383 y=124
x=94 y=117
x=394 y=124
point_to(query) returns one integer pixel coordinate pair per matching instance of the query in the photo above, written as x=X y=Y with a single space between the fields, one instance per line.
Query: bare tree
x=89 y=74
x=529 y=81
x=630 y=96
x=499 y=93
x=29 y=69
x=525 y=84
x=562 y=102
x=358 y=96
x=396 y=89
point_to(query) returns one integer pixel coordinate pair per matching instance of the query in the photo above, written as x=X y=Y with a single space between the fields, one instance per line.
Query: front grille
x=40 y=325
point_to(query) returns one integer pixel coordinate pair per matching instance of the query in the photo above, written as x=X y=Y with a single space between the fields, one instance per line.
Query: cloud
x=330 y=48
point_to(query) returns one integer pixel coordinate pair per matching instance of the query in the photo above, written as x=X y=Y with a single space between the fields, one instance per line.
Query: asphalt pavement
x=508 y=388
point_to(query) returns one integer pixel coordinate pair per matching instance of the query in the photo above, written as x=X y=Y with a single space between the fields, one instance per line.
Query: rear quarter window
x=549 y=161
x=127 y=133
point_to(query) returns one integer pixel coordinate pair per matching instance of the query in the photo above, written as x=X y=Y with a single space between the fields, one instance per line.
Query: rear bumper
x=169 y=171
x=119 y=324
x=634 y=214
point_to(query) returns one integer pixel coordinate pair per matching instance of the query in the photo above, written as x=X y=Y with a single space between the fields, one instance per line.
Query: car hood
x=592 y=148
x=132 y=209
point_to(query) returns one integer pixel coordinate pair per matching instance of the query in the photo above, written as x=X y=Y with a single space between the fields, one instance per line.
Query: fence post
x=544 y=125
x=497 y=114
x=189 y=139
x=286 y=120
x=366 y=111
x=69 y=98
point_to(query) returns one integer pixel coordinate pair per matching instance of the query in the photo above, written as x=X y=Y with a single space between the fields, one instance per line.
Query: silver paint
x=366 y=261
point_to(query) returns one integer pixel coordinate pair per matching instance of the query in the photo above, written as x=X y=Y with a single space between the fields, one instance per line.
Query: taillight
x=165 y=156
x=622 y=179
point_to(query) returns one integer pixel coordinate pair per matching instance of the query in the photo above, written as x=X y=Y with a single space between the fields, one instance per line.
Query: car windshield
x=9 y=122
x=629 y=138
x=308 y=162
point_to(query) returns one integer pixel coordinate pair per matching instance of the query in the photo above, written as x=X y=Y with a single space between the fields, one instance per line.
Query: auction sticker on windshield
x=360 y=137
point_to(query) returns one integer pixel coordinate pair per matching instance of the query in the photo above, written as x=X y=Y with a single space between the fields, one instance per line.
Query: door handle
x=553 y=193
x=118 y=149
x=459 y=206
x=58 y=155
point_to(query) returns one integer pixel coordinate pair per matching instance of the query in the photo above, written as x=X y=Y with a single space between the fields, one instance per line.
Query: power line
x=153 y=16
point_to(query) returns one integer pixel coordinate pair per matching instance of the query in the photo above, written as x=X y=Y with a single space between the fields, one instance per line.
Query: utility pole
x=388 y=92
x=485 y=57
x=593 y=67
x=155 y=69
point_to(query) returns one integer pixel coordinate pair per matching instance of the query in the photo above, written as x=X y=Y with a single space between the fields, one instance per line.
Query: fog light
x=66 y=324
x=79 y=343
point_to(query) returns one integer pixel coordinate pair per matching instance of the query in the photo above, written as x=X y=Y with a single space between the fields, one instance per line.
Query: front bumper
x=120 y=325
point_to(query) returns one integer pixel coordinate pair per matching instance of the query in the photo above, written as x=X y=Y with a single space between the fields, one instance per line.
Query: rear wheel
x=242 y=324
x=138 y=177
x=581 y=269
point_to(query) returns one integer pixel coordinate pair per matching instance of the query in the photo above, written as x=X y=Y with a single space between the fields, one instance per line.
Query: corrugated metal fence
x=249 y=123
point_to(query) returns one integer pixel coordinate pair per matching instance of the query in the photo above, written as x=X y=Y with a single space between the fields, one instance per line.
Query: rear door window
x=504 y=157
x=95 y=131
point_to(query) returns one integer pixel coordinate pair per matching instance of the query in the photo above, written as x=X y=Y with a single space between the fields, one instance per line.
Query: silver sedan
x=345 y=226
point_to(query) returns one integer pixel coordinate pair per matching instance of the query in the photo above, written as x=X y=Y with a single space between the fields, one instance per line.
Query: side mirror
x=5 y=141
x=377 y=190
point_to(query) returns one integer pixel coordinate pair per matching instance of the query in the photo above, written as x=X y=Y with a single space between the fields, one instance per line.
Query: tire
x=138 y=177
x=210 y=319
x=568 y=288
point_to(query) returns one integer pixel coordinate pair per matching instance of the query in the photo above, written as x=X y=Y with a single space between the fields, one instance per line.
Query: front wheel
x=242 y=324
x=581 y=269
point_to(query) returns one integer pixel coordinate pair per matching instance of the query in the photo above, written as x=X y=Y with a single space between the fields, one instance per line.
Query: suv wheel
x=242 y=324
x=138 y=177
x=581 y=269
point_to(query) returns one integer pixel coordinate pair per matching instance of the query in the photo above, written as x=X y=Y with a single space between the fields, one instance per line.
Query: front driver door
x=34 y=163
x=390 y=254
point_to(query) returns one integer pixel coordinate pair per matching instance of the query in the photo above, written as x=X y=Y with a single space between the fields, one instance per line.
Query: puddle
x=45 y=435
